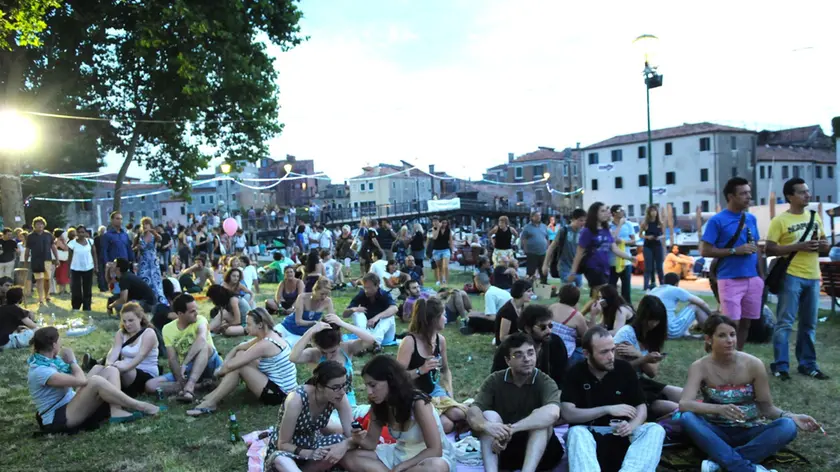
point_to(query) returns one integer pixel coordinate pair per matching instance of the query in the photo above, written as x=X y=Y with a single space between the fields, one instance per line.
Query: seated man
x=604 y=404
x=202 y=275
x=412 y=289
x=333 y=269
x=373 y=309
x=680 y=264
x=5 y=285
x=132 y=289
x=535 y=321
x=515 y=411
x=494 y=298
x=190 y=351
x=414 y=271
x=671 y=295
x=16 y=325
x=504 y=274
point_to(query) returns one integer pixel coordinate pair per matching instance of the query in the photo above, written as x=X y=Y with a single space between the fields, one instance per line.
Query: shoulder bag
x=780 y=265
x=713 y=267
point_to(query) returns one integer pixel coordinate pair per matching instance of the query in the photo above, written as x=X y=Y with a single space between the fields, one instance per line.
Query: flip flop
x=201 y=412
x=184 y=398
x=137 y=415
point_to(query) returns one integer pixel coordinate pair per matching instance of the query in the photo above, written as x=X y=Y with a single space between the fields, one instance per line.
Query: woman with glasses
x=423 y=353
x=271 y=379
x=300 y=440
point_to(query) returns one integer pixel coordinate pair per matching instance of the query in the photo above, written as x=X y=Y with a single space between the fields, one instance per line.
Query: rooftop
x=687 y=129
x=541 y=154
x=794 y=154
x=388 y=169
x=805 y=136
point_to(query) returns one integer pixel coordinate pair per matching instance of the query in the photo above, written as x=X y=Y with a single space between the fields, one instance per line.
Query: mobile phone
x=356 y=425
x=663 y=354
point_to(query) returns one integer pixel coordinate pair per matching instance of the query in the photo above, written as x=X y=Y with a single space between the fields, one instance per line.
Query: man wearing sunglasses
x=552 y=358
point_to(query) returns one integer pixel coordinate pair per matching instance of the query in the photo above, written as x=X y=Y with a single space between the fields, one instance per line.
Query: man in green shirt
x=279 y=265
x=517 y=434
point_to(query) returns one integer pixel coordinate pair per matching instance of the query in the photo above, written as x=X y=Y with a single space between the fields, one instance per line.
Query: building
x=388 y=184
x=691 y=164
x=289 y=193
x=804 y=152
x=334 y=196
x=563 y=167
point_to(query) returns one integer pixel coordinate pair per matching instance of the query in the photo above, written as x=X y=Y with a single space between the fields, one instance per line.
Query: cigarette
x=822 y=430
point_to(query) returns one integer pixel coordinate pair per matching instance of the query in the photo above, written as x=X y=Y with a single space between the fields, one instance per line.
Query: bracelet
x=297 y=450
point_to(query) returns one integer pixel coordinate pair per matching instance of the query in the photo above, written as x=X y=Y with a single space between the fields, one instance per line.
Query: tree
x=186 y=81
x=22 y=20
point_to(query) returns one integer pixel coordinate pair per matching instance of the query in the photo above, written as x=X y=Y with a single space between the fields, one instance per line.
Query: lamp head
x=225 y=168
x=546 y=175
x=287 y=168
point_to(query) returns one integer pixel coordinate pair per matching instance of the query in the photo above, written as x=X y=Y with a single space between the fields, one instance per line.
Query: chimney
x=431 y=168
x=510 y=157
x=290 y=158
x=577 y=146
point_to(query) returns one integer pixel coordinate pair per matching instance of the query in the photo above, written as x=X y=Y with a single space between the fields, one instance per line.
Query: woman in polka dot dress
x=298 y=437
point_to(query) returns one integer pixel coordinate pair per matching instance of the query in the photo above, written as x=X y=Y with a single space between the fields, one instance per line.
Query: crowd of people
x=591 y=367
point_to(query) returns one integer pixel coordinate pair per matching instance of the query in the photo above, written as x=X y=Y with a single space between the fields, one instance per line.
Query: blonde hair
x=145 y=220
x=403 y=232
x=132 y=307
x=418 y=227
x=322 y=283
x=504 y=219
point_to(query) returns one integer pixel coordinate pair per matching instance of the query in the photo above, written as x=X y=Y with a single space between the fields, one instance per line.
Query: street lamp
x=546 y=175
x=225 y=168
x=647 y=43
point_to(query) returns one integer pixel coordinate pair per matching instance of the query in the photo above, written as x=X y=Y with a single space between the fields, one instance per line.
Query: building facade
x=691 y=164
x=289 y=193
x=388 y=184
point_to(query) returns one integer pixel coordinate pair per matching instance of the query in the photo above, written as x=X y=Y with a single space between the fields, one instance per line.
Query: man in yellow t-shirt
x=800 y=292
x=190 y=350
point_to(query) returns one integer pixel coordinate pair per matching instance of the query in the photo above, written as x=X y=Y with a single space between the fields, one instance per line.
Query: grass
x=175 y=442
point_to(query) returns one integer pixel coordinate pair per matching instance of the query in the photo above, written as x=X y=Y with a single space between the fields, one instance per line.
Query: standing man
x=116 y=243
x=386 y=238
x=535 y=244
x=9 y=254
x=252 y=218
x=566 y=243
x=625 y=238
x=731 y=237
x=326 y=238
x=314 y=235
x=165 y=248
x=373 y=309
x=604 y=404
x=794 y=234
x=40 y=252
x=239 y=242
x=100 y=256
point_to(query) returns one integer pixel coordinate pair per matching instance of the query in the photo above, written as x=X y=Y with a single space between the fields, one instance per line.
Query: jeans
x=738 y=449
x=81 y=287
x=653 y=261
x=564 y=274
x=624 y=276
x=798 y=296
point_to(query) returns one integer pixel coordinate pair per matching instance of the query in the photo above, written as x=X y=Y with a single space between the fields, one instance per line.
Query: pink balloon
x=230 y=226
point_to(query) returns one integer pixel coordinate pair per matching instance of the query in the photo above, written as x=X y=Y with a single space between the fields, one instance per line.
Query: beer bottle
x=233 y=428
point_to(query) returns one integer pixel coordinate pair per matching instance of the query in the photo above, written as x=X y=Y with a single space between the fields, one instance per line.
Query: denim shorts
x=441 y=254
x=213 y=363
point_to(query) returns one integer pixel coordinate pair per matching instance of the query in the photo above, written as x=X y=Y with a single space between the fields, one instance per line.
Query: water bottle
x=41 y=320
x=233 y=428
x=52 y=318
x=749 y=237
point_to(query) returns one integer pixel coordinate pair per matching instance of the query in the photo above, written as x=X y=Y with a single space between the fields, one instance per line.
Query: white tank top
x=149 y=364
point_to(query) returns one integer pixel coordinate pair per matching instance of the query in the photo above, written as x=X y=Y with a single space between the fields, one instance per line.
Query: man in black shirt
x=386 y=237
x=7 y=257
x=603 y=402
x=5 y=285
x=373 y=310
x=552 y=358
x=164 y=247
x=504 y=274
x=40 y=252
x=132 y=288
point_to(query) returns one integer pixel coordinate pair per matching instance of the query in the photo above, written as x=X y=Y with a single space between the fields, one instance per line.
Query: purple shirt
x=598 y=249
x=408 y=306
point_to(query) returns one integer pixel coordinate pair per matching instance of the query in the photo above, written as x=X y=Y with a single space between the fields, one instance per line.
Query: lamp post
x=225 y=168
x=286 y=186
x=652 y=80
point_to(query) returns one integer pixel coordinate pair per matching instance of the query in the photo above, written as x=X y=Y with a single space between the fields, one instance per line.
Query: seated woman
x=411 y=419
x=309 y=308
x=300 y=440
x=313 y=269
x=641 y=343
x=507 y=318
x=286 y=295
x=228 y=313
x=16 y=324
x=614 y=311
x=333 y=270
x=567 y=323
x=423 y=353
x=262 y=363
x=135 y=351
x=233 y=282
x=731 y=423
x=53 y=376
x=457 y=304
x=325 y=337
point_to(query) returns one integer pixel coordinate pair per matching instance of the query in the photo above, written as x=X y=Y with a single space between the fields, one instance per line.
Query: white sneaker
x=761 y=468
x=437 y=284
x=709 y=466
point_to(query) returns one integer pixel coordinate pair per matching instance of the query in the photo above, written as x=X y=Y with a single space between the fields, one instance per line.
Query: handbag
x=713 y=267
x=780 y=265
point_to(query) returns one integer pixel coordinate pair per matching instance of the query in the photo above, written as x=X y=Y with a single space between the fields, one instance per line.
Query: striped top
x=279 y=369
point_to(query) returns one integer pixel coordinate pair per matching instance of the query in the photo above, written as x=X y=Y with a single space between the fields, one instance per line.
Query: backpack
x=558 y=251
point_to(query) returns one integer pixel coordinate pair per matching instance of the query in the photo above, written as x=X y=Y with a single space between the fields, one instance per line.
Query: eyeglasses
x=523 y=355
x=545 y=326
x=336 y=388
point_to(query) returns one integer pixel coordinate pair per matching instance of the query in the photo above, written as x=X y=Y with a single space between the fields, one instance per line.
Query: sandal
x=185 y=397
x=195 y=412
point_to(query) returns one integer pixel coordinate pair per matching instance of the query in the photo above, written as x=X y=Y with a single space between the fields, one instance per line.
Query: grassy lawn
x=175 y=442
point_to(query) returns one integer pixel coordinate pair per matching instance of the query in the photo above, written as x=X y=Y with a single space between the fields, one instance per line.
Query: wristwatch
x=417 y=371
x=732 y=251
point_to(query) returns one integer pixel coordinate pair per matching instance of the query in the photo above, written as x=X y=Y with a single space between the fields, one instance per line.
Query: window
x=642 y=152
x=761 y=172
x=643 y=180
x=233 y=197
x=202 y=199
x=108 y=194
x=143 y=198
x=818 y=199
x=393 y=185
x=734 y=172
x=520 y=196
x=131 y=216
x=593 y=158
x=517 y=173
x=829 y=172
x=769 y=172
x=539 y=171
x=362 y=187
x=796 y=171
x=733 y=143
x=594 y=184
x=642 y=209
x=211 y=199
x=670 y=178
x=704 y=175
x=370 y=186
x=630 y=211
x=574 y=169
x=669 y=149
x=686 y=208
x=619 y=182
x=616 y=155
x=818 y=172
x=538 y=195
x=163 y=212
x=785 y=172
x=829 y=199
x=704 y=206
x=565 y=170
x=183 y=211
x=762 y=202
x=705 y=144
x=155 y=214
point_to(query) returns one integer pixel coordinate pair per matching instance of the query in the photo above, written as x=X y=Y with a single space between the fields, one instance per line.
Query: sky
x=461 y=83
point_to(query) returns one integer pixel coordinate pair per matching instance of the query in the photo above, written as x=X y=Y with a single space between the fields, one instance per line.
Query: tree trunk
x=129 y=156
x=11 y=193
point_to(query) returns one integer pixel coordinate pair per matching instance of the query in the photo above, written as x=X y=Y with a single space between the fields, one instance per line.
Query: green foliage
x=21 y=21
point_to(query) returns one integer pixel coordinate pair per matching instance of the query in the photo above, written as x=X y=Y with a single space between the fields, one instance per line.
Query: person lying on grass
x=66 y=399
x=325 y=337
x=262 y=363
x=190 y=350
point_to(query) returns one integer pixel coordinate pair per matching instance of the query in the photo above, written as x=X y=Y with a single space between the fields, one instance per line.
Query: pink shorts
x=741 y=298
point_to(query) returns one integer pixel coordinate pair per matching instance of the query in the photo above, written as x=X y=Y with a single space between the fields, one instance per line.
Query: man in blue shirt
x=115 y=242
x=373 y=309
x=625 y=238
x=534 y=240
x=740 y=283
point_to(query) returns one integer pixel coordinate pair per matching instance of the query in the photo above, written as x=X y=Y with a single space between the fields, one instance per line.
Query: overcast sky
x=460 y=83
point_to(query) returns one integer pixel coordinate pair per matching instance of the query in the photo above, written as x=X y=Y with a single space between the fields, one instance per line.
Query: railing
x=335 y=215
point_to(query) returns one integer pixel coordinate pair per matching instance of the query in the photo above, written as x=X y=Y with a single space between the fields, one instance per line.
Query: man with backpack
x=561 y=252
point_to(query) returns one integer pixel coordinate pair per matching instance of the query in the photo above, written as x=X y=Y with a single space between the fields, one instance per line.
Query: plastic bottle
x=233 y=428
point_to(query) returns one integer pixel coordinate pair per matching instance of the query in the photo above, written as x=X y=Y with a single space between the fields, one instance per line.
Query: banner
x=660 y=191
x=444 y=205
